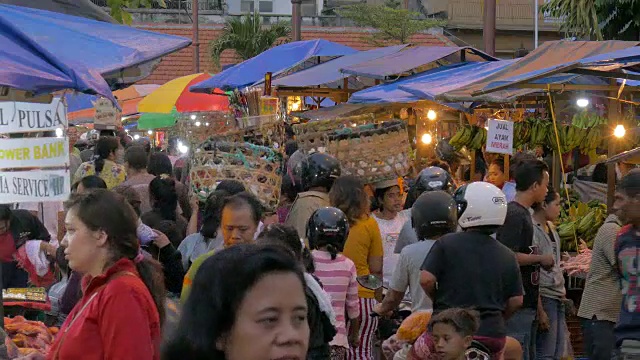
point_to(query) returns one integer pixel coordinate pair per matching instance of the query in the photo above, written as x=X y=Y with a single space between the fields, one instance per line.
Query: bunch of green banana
x=581 y=222
x=539 y=132
x=588 y=119
x=461 y=138
x=521 y=134
x=479 y=139
x=473 y=137
x=592 y=140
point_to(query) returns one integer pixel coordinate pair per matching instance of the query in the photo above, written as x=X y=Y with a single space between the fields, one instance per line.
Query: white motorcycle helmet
x=480 y=204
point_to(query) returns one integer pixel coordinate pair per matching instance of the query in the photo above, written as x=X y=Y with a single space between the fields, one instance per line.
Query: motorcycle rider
x=431 y=178
x=473 y=270
x=317 y=172
x=433 y=215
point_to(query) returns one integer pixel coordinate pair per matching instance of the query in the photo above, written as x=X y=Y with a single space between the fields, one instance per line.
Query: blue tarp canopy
x=43 y=51
x=275 y=60
x=410 y=59
x=550 y=58
x=599 y=63
x=330 y=71
x=427 y=85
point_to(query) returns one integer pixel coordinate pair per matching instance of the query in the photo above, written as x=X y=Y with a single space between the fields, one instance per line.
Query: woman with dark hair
x=209 y=238
x=390 y=219
x=240 y=220
x=364 y=248
x=259 y=313
x=122 y=308
x=87 y=183
x=322 y=319
x=164 y=202
x=552 y=326
x=160 y=165
x=103 y=163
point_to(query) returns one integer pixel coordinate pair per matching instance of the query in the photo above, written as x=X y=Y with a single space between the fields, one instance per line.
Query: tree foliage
x=120 y=14
x=393 y=24
x=247 y=36
x=597 y=19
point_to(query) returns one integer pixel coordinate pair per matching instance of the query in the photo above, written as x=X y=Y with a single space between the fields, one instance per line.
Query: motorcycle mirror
x=370 y=282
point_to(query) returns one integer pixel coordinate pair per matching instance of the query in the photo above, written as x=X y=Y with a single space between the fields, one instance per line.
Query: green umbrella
x=150 y=121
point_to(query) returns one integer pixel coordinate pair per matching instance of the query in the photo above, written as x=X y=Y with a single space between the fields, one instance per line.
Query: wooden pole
x=296 y=20
x=196 y=37
x=614 y=116
x=489 y=29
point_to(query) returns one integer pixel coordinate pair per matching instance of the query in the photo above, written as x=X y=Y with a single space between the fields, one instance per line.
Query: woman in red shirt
x=121 y=311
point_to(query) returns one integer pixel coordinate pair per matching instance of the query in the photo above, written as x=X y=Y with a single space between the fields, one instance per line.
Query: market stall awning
x=340 y=110
x=410 y=59
x=87 y=51
x=441 y=80
x=331 y=70
x=80 y=108
x=82 y=8
x=607 y=62
x=275 y=60
x=549 y=55
x=427 y=85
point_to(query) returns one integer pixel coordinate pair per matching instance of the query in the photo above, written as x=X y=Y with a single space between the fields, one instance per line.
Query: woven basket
x=264 y=130
x=374 y=152
x=257 y=167
x=205 y=126
x=312 y=136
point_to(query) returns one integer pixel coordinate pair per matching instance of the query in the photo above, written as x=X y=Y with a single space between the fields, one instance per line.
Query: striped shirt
x=338 y=277
x=602 y=296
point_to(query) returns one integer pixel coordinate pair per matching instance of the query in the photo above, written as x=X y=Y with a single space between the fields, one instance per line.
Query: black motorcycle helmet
x=328 y=226
x=431 y=178
x=435 y=213
x=317 y=170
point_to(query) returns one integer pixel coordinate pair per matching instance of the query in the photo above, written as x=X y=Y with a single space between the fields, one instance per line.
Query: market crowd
x=147 y=271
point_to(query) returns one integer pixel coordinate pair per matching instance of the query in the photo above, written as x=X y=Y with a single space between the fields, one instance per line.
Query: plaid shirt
x=602 y=296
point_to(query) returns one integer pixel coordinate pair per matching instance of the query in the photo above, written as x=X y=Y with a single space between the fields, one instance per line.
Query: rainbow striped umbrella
x=161 y=107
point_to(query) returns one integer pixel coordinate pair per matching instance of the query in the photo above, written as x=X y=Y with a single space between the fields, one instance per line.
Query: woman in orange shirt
x=364 y=248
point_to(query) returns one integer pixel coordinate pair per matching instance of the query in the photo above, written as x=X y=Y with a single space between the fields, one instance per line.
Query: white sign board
x=500 y=137
x=33 y=152
x=34 y=186
x=106 y=115
x=18 y=117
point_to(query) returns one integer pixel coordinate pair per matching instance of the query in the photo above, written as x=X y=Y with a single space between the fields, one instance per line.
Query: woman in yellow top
x=103 y=163
x=364 y=248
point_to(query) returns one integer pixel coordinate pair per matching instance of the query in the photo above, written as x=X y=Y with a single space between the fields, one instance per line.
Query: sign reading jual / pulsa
x=33 y=152
x=19 y=117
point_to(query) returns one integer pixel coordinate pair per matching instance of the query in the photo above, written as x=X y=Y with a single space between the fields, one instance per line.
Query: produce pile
x=29 y=336
x=585 y=132
x=580 y=221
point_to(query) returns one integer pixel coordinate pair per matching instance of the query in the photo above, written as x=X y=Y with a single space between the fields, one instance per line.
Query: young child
x=452 y=331
x=327 y=232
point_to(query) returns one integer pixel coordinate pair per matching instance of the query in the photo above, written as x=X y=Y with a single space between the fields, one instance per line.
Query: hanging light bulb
x=582 y=102
x=426 y=139
x=136 y=137
x=619 y=131
x=193 y=117
x=150 y=132
x=431 y=115
x=198 y=123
